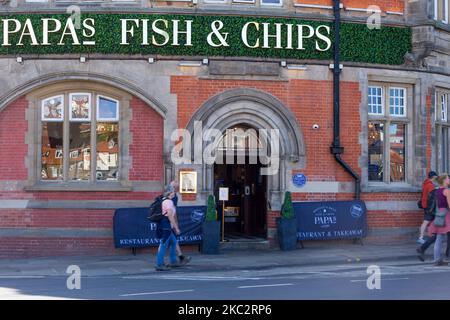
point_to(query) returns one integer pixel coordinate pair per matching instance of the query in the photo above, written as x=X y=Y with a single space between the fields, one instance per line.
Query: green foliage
x=287 y=210
x=211 y=209
x=359 y=44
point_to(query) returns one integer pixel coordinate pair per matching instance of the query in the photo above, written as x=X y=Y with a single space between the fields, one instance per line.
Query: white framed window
x=79 y=138
x=387 y=134
x=52 y=109
x=397 y=102
x=441 y=10
x=215 y=1
x=107 y=109
x=442 y=130
x=444 y=107
x=375 y=97
x=80 y=106
x=277 y=3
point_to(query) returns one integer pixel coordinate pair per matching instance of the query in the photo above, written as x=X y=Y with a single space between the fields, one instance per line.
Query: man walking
x=182 y=258
x=427 y=186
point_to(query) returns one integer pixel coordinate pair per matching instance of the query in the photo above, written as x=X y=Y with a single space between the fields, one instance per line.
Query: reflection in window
x=376 y=147
x=107 y=151
x=444 y=107
x=108 y=109
x=80 y=151
x=52 y=151
x=397 y=152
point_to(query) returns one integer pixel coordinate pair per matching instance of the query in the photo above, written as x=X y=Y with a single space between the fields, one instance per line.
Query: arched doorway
x=245 y=214
x=246 y=108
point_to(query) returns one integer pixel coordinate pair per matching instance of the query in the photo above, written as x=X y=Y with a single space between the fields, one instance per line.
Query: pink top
x=442 y=203
x=167 y=205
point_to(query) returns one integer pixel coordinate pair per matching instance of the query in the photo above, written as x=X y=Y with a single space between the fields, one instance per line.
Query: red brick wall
x=13 y=150
x=429 y=117
x=385 y=5
x=310 y=101
x=146 y=150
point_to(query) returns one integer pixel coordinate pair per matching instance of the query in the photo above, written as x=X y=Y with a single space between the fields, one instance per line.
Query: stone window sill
x=78 y=186
x=391 y=188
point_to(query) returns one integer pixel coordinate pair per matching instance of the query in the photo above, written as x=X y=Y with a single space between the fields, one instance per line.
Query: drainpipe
x=336 y=148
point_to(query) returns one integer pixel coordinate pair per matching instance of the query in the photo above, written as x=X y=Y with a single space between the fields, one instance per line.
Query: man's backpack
x=155 y=210
x=431 y=202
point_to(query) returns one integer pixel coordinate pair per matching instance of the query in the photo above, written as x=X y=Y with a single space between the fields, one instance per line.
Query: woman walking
x=443 y=203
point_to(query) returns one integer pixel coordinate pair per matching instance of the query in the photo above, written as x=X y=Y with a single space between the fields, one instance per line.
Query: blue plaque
x=299 y=179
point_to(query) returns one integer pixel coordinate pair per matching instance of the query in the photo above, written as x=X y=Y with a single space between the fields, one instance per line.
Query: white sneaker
x=420 y=241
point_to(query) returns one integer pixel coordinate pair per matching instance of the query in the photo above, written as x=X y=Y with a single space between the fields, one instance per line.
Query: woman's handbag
x=439 y=217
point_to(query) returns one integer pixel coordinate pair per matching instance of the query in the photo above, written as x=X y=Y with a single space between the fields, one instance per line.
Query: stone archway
x=257 y=109
x=53 y=78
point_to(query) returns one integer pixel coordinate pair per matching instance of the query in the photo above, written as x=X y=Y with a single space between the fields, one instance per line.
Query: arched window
x=79 y=137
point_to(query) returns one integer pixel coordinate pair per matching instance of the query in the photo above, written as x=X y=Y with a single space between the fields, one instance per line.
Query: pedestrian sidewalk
x=314 y=253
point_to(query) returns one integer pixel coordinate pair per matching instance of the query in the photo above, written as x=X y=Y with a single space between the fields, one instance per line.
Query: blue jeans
x=437 y=247
x=172 y=241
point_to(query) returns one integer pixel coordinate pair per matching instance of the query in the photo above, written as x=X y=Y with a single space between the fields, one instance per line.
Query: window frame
x=63 y=109
x=441 y=125
x=67 y=97
x=405 y=102
x=382 y=101
x=98 y=118
x=387 y=120
x=91 y=106
x=445 y=4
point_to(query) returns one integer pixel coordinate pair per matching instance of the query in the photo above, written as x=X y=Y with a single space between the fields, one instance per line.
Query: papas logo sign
x=161 y=32
x=356 y=211
x=325 y=216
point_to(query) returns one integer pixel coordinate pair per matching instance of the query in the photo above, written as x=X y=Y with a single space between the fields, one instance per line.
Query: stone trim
x=33 y=138
x=55 y=78
x=74 y=204
x=56 y=232
x=416 y=119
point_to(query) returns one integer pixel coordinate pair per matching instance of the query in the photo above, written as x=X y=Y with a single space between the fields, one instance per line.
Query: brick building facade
x=393 y=124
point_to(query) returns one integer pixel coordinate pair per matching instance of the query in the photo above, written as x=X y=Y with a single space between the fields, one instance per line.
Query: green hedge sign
x=189 y=35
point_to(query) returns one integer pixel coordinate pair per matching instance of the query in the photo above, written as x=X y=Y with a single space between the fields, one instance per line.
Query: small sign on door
x=223 y=194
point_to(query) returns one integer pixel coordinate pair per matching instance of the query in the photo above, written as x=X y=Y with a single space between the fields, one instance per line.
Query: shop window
x=441 y=10
x=442 y=130
x=387 y=134
x=77 y=128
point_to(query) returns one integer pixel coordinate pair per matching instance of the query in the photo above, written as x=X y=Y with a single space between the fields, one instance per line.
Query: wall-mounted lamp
x=151 y=60
x=82 y=59
x=205 y=61
x=283 y=64
x=190 y=64
x=19 y=60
